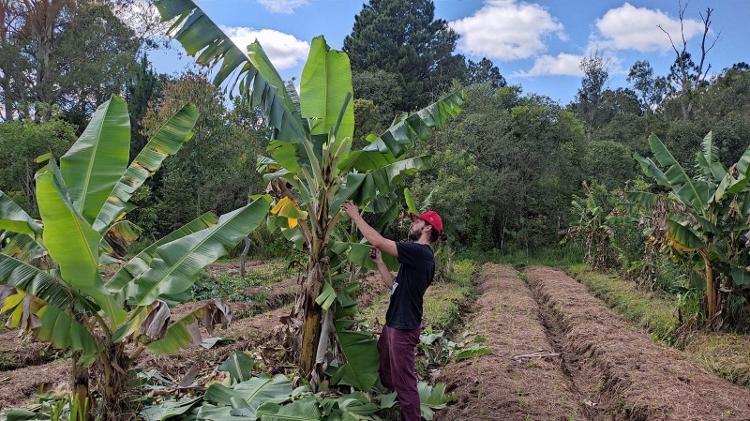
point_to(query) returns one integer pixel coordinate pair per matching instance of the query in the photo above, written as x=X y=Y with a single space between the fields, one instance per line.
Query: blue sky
x=535 y=44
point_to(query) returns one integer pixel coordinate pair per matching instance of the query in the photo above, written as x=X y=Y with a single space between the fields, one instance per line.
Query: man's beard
x=414 y=235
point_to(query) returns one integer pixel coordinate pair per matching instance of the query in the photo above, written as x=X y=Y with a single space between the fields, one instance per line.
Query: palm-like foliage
x=67 y=300
x=312 y=170
x=716 y=204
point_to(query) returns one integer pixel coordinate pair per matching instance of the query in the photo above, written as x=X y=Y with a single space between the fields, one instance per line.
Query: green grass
x=559 y=256
x=443 y=301
x=658 y=315
x=231 y=286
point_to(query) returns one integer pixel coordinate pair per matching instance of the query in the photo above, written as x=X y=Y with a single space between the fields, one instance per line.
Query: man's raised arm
x=373 y=237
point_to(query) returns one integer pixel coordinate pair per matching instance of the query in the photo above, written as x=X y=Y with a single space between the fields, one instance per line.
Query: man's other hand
x=376 y=255
x=351 y=209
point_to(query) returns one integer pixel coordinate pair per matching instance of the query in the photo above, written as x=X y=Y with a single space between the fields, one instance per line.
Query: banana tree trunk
x=711 y=302
x=115 y=365
x=313 y=314
x=81 y=394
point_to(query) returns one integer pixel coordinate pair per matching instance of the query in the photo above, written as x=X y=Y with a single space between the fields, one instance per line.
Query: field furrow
x=621 y=373
x=522 y=379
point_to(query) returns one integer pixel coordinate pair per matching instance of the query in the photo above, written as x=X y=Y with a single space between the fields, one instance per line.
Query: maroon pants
x=397 y=370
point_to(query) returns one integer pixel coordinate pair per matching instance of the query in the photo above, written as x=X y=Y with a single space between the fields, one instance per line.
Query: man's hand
x=376 y=256
x=351 y=209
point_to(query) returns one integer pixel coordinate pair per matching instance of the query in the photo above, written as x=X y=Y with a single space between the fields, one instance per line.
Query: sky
x=537 y=45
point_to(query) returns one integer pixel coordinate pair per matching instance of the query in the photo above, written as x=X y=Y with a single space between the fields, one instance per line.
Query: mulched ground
x=623 y=374
x=507 y=385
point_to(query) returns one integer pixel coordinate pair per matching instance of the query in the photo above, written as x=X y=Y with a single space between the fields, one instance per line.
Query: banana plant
x=312 y=169
x=70 y=301
x=715 y=205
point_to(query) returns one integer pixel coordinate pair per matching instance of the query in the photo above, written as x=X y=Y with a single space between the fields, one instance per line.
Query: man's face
x=416 y=228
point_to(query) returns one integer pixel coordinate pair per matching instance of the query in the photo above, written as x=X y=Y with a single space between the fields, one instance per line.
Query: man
x=400 y=335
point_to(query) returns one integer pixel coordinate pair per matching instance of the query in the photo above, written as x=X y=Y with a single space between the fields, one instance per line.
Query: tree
x=686 y=76
x=21 y=142
x=651 y=90
x=715 y=206
x=81 y=204
x=405 y=38
x=312 y=170
x=589 y=97
x=219 y=162
x=485 y=71
x=62 y=53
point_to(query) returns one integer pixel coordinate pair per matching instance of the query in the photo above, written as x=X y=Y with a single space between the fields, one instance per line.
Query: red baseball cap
x=432 y=218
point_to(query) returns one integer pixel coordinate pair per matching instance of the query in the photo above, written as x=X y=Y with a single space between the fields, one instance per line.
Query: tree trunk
x=81 y=395
x=313 y=314
x=710 y=289
x=243 y=256
x=115 y=367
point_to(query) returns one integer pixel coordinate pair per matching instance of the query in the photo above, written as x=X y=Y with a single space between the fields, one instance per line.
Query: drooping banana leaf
x=361 y=368
x=259 y=82
x=63 y=331
x=176 y=264
x=239 y=366
x=243 y=399
x=140 y=263
x=693 y=193
x=33 y=281
x=96 y=161
x=170 y=338
x=166 y=142
x=14 y=219
x=418 y=125
x=71 y=241
x=682 y=237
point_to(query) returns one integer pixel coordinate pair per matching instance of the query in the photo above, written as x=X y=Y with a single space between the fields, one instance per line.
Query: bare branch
x=670 y=39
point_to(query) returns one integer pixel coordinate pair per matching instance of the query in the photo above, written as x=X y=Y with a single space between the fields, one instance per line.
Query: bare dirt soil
x=522 y=379
x=618 y=370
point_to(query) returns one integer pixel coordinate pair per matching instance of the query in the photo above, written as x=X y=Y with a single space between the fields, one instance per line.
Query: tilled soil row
x=618 y=370
x=522 y=379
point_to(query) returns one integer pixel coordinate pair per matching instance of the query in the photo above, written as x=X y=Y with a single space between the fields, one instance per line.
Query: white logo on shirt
x=395 y=285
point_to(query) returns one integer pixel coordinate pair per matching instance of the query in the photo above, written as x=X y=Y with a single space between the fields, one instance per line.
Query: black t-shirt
x=414 y=276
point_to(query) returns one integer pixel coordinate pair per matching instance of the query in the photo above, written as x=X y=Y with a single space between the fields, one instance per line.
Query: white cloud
x=563 y=64
x=282 y=6
x=507 y=30
x=636 y=28
x=284 y=50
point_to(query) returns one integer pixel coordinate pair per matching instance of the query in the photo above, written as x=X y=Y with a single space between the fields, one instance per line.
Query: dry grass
x=728 y=355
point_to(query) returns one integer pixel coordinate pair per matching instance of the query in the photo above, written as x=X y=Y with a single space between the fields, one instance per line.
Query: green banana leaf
x=432 y=398
x=682 y=237
x=169 y=409
x=34 y=281
x=708 y=159
x=259 y=82
x=177 y=264
x=650 y=169
x=418 y=125
x=326 y=82
x=14 y=219
x=239 y=366
x=96 y=161
x=166 y=142
x=64 y=332
x=693 y=193
x=301 y=410
x=71 y=241
x=361 y=368
x=141 y=262
x=241 y=401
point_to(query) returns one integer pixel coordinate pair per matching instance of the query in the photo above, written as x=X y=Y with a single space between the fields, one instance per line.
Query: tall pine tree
x=404 y=38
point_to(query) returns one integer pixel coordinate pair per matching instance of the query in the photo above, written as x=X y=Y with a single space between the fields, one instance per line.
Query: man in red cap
x=400 y=335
